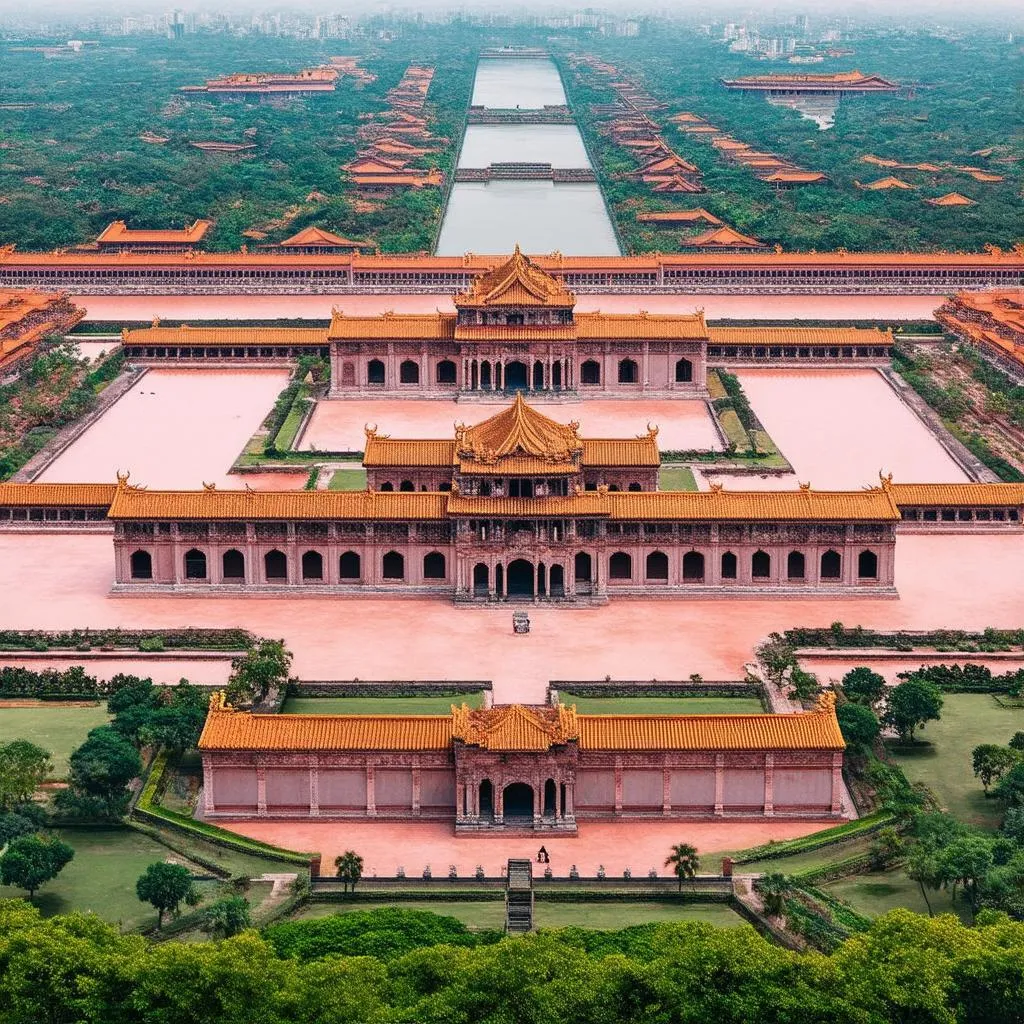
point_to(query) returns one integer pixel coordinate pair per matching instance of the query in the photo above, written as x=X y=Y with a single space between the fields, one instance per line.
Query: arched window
x=393 y=566
x=349 y=566
x=693 y=566
x=387 y=486
x=831 y=565
x=484 y=490
x=142 y=565
x=867 y=565
x=195 y=564
x=657 y=565
x=233 y=565
x=407 y=485
x=312 y=566
x=635 y=487
x=729 y=566
x=628 y=372
x=761 y=565
x=620 y=566
x=444 y=485
x=434 y=566
x=613 y=488
x=275 y=565
x=375 y=372
x=409 y=372
x=590 y=372
x=684 y=371
x=446 y=372
x=795 y=569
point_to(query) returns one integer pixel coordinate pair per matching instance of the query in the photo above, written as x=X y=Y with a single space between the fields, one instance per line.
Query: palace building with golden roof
x=515 y=768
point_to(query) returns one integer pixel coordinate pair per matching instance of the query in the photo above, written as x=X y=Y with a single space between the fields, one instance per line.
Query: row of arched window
x=590 y=372
x=620 y=566
x=275 y=566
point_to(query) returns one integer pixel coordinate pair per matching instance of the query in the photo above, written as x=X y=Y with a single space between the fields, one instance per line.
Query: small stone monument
x=520 y=622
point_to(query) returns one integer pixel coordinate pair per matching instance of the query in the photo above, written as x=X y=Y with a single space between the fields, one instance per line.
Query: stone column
x=416 y=781
x=371 y=795
x=618 y=787
x=208 y=773
x=769 y=784
x=261 y=791
x=538 y=800
x=460 y=801
x=498 y=799
x=837 y=783
x=666 y=791
x=569 y=811
x=314 y=790
x=719 y=782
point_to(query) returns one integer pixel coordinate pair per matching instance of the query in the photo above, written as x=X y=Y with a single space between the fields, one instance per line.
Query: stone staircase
x=519 y=897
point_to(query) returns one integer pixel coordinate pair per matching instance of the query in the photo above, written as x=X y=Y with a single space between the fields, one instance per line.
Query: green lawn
x=664 y=705
x=58 y=728
x=944 y=761
x=676 y=478
x=878 y=893
x=491 y=914
x=428 y=705
x=798 y=862
x=348 y=480
x=102 y=876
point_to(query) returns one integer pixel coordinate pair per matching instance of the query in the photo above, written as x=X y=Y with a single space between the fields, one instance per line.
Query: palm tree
x=684 y=862
x=773 y=889
x=350 y=868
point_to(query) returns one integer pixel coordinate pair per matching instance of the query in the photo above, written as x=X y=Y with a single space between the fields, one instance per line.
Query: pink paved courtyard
x=318 y=307
x=174 y=429
x=338 y=425
x=959 y=581
x=839 y=428
x=637 y=845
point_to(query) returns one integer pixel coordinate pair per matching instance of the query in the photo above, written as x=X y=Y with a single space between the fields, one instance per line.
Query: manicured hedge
x=829 y=837
x=838 y=635
x=188 y=639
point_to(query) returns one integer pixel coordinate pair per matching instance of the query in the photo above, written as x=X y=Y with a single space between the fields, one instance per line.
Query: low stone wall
x=654 y=688
x=387 y=687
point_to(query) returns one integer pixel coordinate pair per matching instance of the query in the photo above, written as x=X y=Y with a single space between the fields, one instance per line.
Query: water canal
x=540 y=215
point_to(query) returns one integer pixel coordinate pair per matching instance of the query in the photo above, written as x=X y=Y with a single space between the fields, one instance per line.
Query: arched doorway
x=446 y=372
x=556 y=581
x=485 y=376
x=142 y=565
x=481 y=579
x=517 y=801
x=582 y=567
x=550 y=807
x=486 y=799
x=538 y=376
x=375 y=372
x=516 y=376
x=233 y=564
x=519 y=578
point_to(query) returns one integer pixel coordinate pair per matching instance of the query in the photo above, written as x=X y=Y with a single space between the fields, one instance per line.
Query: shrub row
x=385 y=688
x=50 y=683
x=844 y=868
x=838 y=635
x=969 y=678
x=189 y=639
x=865 y=826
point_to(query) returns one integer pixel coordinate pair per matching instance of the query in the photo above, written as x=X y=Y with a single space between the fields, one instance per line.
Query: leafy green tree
x=910 y=705
x=684 y=861
x=178 y=721
x=23 y=767
x=886 y=847
x=228 y=916
x=967 y=861
x=166 y=887
x=862 y=686
x=1016 y=741
x=14 y=825
x=102 y=767
x=858 y=724
x=350 y=869
x=1013 y=824
x=773 y=888
x=31 y=860
x=991 y=761
x=259 y=670
x=1010 y=788
x=923 y=867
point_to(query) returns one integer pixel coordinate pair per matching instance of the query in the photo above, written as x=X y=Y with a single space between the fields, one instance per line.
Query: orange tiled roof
x=136 y=503
x=725 y=237
x=384 y=452
x=187 y=335
x=799 y=336
x=393 y=326
x=840 y=79
x=589 y=503
x=519 y=430
x=517 y=282
x=318 y=236
x=883 y=183
x=57 y=495
x=118 y=231
x=814 y=730
x=688 y=326
x=970 y=494
x=679 y=217
x=796 y=177
x=952 y=199
x=512 y=727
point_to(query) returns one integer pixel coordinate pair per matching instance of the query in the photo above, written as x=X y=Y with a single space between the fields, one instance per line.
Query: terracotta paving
x=338 y=425
x=639 y=846
x=174 y=429
x=318 y=307
x=962 y=581
x=838 y=428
